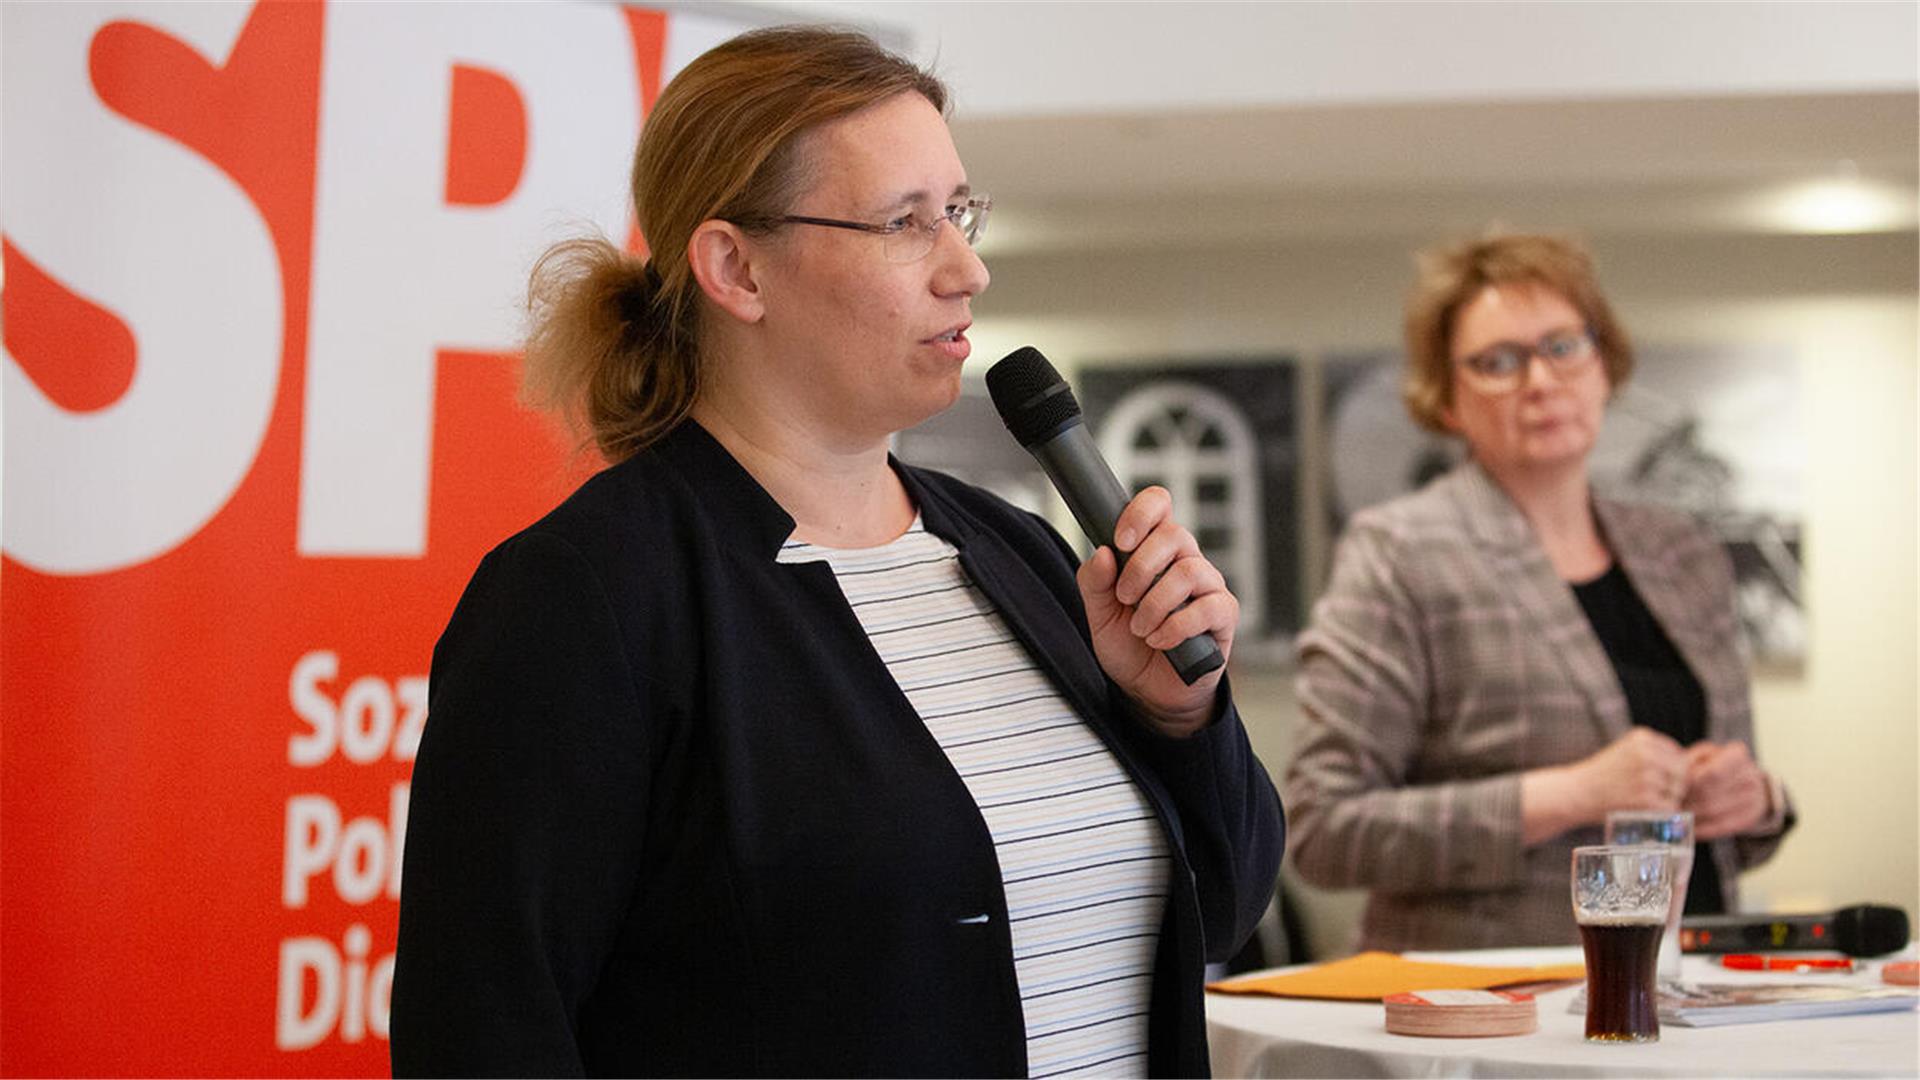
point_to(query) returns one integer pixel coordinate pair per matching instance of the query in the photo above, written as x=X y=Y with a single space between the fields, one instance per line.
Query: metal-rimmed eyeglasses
x=1501 y=368
x=908 y=237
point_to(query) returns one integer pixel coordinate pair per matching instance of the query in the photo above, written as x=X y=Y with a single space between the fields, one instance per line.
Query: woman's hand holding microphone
x=1166 y=593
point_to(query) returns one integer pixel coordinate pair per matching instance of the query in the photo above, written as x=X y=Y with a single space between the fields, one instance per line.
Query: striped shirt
x=1083 y=860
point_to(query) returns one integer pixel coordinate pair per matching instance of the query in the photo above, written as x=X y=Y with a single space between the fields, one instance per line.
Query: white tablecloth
x=1257 y=1036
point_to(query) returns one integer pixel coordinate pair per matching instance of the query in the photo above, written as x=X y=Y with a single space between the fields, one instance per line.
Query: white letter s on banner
x=170 y=243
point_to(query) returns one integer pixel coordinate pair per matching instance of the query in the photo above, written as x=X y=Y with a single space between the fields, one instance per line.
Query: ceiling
x=1256 y=175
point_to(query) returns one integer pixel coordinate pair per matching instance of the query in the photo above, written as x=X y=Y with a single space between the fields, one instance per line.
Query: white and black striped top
x=1083 y=860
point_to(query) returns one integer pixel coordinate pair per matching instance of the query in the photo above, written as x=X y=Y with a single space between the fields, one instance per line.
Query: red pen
x=1752 y=962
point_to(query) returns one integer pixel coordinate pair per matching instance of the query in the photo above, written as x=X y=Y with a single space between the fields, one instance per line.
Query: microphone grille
x=1031 y=397
x=1869 y=929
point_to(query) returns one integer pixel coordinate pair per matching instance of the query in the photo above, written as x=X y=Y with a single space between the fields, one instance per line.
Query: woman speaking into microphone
x=767 y=754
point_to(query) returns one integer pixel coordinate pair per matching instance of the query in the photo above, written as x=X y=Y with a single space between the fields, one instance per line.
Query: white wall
x=1843 y=731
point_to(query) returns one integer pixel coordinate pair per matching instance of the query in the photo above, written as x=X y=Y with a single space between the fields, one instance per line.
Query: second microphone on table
x=1040 y=410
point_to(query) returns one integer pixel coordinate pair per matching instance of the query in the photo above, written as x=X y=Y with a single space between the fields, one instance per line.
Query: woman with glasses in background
x=767 y=754
x=1501 y=658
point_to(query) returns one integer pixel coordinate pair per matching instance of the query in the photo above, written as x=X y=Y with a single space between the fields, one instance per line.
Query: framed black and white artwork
x=1223 y=439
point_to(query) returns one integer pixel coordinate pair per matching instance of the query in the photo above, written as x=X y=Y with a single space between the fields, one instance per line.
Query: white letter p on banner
x=399 y=274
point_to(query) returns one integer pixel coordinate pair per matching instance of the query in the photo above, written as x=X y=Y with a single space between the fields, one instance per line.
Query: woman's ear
x=722 y=258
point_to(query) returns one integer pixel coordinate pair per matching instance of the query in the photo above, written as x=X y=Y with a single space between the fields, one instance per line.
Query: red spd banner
x=262 y=273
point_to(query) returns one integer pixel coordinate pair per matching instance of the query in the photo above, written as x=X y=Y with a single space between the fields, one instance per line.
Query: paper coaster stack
x=1461 y=1014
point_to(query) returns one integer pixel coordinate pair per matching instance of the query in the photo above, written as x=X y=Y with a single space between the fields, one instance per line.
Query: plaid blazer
x=1445 y=658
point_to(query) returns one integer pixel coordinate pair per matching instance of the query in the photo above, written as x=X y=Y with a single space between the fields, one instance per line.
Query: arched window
x=1197 y=444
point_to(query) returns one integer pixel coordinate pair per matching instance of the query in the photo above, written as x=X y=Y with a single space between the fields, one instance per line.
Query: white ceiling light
x=1840 y=204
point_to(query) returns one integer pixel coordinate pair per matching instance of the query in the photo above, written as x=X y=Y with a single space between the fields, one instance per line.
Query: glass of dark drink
x=1620 y=899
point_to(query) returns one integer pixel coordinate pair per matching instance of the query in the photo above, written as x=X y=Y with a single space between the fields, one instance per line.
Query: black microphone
x=1039 y=409
x=1860 y=930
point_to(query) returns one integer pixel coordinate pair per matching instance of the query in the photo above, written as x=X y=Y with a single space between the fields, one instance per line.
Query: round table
x=1256 y=1036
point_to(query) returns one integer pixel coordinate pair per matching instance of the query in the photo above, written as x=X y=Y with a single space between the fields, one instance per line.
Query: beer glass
x=1675 y=832
x=1620 y=898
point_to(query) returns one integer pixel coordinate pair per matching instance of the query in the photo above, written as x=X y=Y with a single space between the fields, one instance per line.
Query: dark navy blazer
x=672 y=815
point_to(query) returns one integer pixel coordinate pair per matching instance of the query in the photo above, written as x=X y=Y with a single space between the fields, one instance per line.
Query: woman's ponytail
x=604 y=348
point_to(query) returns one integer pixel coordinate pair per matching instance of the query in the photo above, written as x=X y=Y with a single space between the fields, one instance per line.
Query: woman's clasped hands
x=1719 y=782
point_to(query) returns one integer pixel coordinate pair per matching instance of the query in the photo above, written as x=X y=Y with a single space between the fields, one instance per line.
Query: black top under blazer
x=672 y=815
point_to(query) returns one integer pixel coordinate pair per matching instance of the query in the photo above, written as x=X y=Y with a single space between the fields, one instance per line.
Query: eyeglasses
x=907 y=238
x=1502 y=368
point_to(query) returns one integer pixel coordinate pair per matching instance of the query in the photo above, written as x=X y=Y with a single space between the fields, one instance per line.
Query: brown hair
x=613 y=341
x=1451 y=275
